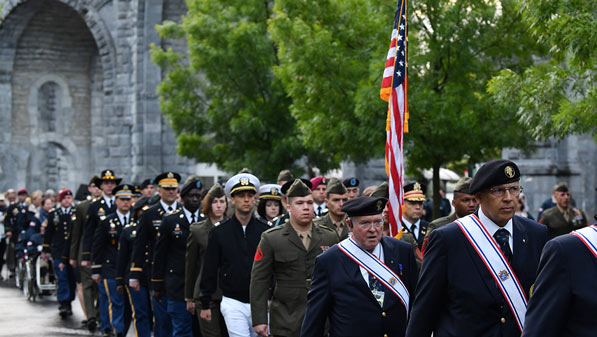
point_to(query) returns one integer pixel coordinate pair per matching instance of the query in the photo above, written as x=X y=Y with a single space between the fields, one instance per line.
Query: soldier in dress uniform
x=147 y=233
x=56 y=238
x=464 y=204
x=105 y=257
x=214 y=208
x=137 y=299
x=277 y=221
x=90 y=291
x=563 y=218
x=362 y=285
x=16 y=221
x=148 y=188
x=478 y=271
x=318 y=186
x=335 y=218
x=413 y=211
x=229 y=257
x=352 y=187
x=169 y=258
x=287 y=254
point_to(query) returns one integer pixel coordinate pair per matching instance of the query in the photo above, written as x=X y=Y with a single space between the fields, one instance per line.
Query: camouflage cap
x=298 y=189
x=382 y=191
x=285 y=175
x=462 y=185
x=335 y=186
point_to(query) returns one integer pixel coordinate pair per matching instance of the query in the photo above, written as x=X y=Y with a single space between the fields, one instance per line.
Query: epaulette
x=273 y=229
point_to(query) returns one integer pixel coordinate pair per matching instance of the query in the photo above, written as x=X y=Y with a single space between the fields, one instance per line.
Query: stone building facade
x=77 y=91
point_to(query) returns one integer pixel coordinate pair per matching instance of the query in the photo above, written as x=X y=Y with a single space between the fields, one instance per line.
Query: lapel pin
x=524 y=240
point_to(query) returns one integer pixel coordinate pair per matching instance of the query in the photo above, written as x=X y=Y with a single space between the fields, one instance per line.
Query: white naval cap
x=242 y=182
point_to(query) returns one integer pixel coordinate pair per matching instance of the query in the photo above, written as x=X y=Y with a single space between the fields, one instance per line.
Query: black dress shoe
x=106 y=333
x=91 y=324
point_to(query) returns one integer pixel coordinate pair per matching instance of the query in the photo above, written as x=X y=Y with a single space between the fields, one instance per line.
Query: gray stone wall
x=77 y=92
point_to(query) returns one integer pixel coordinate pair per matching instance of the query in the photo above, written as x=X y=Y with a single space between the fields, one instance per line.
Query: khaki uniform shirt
x=327 y=221
x=281 y=255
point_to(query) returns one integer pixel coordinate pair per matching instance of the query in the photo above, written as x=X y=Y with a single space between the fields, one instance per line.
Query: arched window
x=48 y=105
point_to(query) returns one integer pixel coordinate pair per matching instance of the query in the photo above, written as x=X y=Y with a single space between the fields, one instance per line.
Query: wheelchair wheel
x=20 y=274
x=29 y=285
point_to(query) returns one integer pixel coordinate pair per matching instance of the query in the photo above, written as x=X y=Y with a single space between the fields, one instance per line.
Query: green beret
x=298 y=189
x=335 y=186
x=463 y=185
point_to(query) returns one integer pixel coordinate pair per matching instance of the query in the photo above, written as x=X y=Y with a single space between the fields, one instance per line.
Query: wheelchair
x=39 y=278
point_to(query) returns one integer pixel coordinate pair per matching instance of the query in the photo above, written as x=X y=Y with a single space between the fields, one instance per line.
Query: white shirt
x=121 y=216
x=188 y=214
x=492 y=227
x=378 y=252
x=109 y=201
x=409 y=225
x=65 y=210
x=165 y=206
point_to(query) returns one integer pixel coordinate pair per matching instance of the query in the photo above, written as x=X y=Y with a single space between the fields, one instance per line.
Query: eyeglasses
x=367 y=224
x=501 y=191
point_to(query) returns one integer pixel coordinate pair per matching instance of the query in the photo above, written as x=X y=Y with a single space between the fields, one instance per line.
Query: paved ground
x=22 y=318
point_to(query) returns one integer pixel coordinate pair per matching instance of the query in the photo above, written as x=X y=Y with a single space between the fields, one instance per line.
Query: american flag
x=394 y=90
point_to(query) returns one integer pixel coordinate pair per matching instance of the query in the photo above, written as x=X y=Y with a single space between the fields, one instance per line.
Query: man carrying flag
x=394 y=90
x=479 y=270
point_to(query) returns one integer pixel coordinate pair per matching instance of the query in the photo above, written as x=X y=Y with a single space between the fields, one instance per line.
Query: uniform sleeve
x=48 y=234
x=191 y=265
x=138 y=255
x=77 y=233
x=431 y=289
x=89 y=232
x=159 y=258
x=211 y=264
x=123 y=257
x=261 y=279
x=100 y=241
x=319 y=301
x=549 y=303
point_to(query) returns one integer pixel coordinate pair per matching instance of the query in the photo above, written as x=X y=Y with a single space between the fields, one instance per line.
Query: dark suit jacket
x=339 y=293
x=422 y=231
x=456 y=294
x=105 y=246
x=564 y=301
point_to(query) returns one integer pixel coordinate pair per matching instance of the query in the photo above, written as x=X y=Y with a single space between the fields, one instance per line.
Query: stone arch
x=18 y=15
x=53 y=157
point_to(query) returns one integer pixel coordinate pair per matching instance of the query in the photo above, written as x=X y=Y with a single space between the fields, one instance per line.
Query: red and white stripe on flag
x=394 y=89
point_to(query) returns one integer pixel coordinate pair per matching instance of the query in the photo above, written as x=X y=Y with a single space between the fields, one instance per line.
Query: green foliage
x=225 y=105
x=557 y=96
x=332 y=54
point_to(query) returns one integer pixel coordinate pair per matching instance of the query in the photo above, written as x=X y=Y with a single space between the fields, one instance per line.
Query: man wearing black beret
x=363 y=285
x=479 y=270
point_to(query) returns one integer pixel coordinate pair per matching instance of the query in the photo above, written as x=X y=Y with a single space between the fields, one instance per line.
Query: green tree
x=224 y=102
x=557 y=96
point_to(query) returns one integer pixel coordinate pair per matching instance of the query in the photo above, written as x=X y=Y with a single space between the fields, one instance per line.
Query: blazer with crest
x=339 y=293
x=456 y=294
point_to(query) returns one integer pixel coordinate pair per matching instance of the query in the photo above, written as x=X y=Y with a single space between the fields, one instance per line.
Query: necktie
x=413 y=229
x=169 y=209
x=109 y=203
x=502 y=237
x=124 y=220
x=319 y=210
x=193 y=218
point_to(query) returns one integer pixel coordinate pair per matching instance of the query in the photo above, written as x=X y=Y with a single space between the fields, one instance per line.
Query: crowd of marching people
x=306 y=257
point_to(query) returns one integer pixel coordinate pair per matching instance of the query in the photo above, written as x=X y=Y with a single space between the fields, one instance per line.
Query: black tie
x=319 y=210
x=169 y=209
x=109 y=203
x=413 y=230
x=502 y=237
x=193 y=218
x=124 y=220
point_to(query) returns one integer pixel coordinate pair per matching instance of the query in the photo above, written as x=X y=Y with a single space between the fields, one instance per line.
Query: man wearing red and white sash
x=363 y=284
x=478 y=271
x=564 y=300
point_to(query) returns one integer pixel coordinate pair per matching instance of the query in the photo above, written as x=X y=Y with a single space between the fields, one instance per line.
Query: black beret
x=289 y=183
x=195 y=183
x=362 y=206
x=351 y=182
x=494 y=173
x=146 y=183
